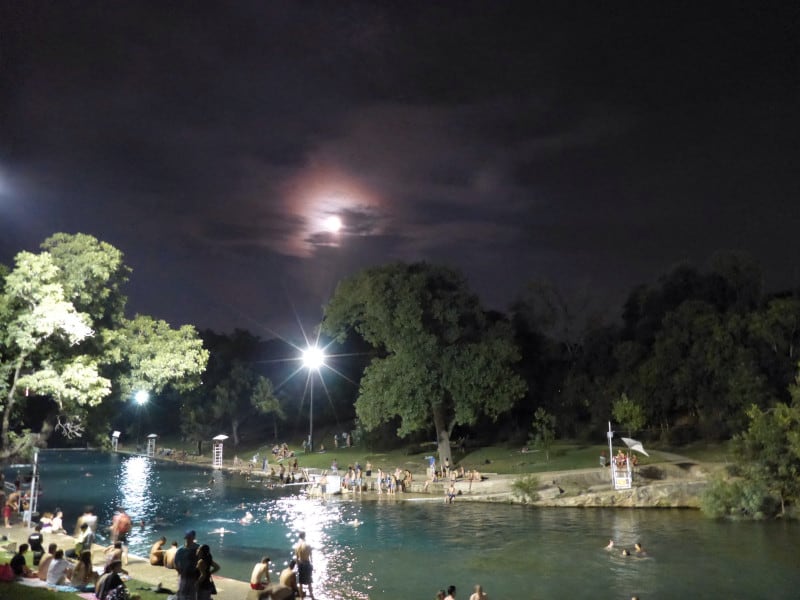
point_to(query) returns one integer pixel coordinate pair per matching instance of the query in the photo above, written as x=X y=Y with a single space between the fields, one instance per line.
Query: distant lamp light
x=313 y=358
x=141 y=397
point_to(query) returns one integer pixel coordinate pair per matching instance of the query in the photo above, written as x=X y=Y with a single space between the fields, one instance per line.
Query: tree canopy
x=440 y=360
x=65 y=340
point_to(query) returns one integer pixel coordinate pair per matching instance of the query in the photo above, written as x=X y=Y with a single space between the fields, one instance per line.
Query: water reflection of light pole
x=141 y=398
x=313 y=359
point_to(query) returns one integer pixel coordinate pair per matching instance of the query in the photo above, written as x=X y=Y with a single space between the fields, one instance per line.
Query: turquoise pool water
x=412 y=549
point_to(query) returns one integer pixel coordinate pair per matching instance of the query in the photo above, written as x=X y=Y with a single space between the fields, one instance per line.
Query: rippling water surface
x=411 y=549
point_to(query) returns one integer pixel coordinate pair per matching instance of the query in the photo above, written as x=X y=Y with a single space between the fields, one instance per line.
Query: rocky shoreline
x=666 y=485
x=675 y=484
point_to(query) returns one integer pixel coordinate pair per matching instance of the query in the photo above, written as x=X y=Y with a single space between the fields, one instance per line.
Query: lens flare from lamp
x=313 y=358
x=141 y=397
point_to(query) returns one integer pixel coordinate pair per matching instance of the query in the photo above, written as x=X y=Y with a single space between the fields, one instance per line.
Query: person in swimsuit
x=302 y=552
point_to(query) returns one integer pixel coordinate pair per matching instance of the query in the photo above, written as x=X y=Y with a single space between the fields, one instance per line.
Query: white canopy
x=635 y=445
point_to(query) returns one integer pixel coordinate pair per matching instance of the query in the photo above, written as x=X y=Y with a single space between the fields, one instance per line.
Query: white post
x=151 y=445
x=216 y=457
x=611 y=463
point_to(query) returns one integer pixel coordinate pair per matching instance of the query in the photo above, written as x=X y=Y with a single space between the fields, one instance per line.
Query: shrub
x=738 y=499
x=525 y=488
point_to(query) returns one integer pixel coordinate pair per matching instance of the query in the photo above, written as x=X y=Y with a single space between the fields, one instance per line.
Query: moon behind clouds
x=333 y=224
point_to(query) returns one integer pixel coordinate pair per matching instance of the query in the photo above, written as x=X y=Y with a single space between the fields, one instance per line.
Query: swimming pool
x=411 y=549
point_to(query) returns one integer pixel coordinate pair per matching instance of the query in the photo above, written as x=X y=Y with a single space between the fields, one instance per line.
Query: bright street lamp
x=313 y=359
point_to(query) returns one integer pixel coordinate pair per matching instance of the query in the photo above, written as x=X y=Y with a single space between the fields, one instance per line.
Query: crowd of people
x=73 y=567
x=196 y=566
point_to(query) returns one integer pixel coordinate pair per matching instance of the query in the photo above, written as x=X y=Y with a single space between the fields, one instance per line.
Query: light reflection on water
x=412 y=549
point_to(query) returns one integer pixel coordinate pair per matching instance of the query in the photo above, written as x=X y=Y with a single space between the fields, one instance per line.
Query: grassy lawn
x=563 y=456
x=16 y=591
x=719 y=452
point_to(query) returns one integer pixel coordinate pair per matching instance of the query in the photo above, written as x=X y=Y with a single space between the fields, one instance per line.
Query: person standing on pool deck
x=121 y=525
x=302 y=552
x=186 y=566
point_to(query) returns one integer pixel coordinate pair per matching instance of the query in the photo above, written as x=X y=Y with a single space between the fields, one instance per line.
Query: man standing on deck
x=186 y=566
x=302 y=552
x=120 y=528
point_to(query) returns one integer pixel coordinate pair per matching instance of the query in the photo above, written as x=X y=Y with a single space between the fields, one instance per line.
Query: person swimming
x=610 y=545
x=247 y=518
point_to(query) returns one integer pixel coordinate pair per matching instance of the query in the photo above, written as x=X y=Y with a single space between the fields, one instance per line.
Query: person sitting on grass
x=44 y=563
x=35 y=541
x=60 y=570
x=110 y=582
x=18 y=564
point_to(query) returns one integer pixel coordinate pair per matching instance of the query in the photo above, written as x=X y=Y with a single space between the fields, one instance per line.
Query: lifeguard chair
x=217 y=450
x=151 y=445
x=115 y=441
x=621 y=463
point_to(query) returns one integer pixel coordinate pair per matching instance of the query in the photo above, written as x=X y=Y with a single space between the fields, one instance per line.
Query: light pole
x=313 y=359
x=141 y=397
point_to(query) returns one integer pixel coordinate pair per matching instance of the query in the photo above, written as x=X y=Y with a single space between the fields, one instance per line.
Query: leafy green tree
x=770 y=450
x=629 y=413
x=64 y=340
x=441 y=361
x=544 y=431
x=150 y=355
x=775 y=332
x=37 y=318
x=264 y=400
x=197 y=423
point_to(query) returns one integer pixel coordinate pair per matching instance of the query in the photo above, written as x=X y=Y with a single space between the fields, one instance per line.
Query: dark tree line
x=692 y=351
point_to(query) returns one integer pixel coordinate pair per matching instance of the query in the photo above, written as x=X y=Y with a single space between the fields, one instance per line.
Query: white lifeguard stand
x=115 y=441
x=621 y=466
x=217 y=450
x=621 y=475
x=151 y=445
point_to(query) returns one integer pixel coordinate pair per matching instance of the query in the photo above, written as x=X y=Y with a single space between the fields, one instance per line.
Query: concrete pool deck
x=138 y=567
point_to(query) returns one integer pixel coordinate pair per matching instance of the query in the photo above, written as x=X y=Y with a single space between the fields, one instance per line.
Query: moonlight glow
x=333 y=224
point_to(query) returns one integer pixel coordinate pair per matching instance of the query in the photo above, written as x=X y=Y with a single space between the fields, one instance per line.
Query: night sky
x=593 y=144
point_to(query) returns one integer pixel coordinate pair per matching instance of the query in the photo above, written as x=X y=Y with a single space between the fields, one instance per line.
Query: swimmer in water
x=610 y=545
x=639 y=550
x=221 y=531
x=247 y=518
x=625 y=552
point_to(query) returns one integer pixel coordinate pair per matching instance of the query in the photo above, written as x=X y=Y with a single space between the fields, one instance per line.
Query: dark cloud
x=594 y=145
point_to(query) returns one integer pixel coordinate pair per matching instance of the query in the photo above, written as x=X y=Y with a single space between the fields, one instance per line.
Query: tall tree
x=264 y=400
x=442 y=361
x=544 y=431
x=628 y=413
x=64 y=339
